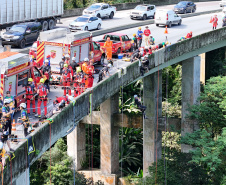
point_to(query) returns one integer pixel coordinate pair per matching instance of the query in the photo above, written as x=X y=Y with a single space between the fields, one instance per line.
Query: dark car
x=184 y=7
x=22 y=34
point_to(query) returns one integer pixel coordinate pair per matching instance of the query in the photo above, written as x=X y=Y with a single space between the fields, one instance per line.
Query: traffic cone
x=13 y=135
x=211 y=20
x=166 y=31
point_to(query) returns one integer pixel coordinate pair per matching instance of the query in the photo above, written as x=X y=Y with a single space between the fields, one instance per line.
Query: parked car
x=222 y=3
x=100 y=10
x=143 y=12
x=184 y=7
x=86 y=22
x=22 y=34
x=33 y=50
x=121 y=42
x=167 y=18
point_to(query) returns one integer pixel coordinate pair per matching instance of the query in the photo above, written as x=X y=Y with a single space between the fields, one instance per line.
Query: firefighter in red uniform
x=66 y=79
x=189 y=35
x=30 y=95
x=42 y=93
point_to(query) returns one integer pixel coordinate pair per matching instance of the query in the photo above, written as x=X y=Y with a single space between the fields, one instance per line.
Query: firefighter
x=48 y=58
x=6 y=114
x=147 y=33
x=214 y=21
x=61 y=64
x=108 y=48
x=42 y=93
x=46 y=70
x=85 y=65
x=24 y=118
x=67 y=59
x=77 y=81
x=66 y=79
x=189 y=35
x=90 y=74
x=12 y=102
x=1 y=105
x=74 y=64
x=30 y=95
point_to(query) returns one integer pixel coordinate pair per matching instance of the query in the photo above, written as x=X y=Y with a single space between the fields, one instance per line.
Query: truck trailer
x=45 y=11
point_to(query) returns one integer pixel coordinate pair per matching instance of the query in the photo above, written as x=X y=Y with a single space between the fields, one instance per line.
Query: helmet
x=46 y=61
x=135 y=96
x=86 y=59
x=146 y=56
x=23 y=105
x=139 y=28
x=30 y=80
x=70 y=98
x=63 y=57
x=65 y=65
x=163 y=43
x=67 y=56
x=1 y=145
x=32 y=56
x=6 y=133
x=73 y=58
x=48 y=56
x=150 y=47
x=141 y=49
x=142 y=58
x=109 y=65
x=7 y=101
x=134 y=34
x=42 y=80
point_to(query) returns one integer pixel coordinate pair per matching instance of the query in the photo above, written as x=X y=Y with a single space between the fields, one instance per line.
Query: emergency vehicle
x=15 y=69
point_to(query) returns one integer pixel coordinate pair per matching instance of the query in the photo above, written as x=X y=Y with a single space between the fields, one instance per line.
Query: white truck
x=100 y=10
x=222 y=3
x=45 y=11
x=143 y=11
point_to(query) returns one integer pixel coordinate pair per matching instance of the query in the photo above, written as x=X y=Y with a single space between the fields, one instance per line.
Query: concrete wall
x=105 y=89
x=126 y=6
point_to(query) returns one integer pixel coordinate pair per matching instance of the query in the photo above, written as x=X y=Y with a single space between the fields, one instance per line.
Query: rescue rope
x=91 y=109
x=50 y=151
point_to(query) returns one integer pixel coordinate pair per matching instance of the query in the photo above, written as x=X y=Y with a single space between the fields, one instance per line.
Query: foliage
x=171 y=110
x=171 y=84
x=61 y=168
x=131 y=150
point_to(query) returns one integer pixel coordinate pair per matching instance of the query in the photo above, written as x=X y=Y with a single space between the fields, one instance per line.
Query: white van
x=222 y=3
x=167 y=18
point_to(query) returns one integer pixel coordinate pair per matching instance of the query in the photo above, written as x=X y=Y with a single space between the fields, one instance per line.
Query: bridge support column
x=22 y=178
x=76 y=145
x=109 y=136
x=190 y=93
x=152 y=142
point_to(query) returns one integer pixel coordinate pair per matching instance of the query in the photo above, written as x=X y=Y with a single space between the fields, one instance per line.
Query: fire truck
x=15 y=69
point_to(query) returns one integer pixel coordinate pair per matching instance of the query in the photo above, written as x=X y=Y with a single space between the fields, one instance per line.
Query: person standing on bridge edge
x=214 y=21
x=108 y=48
x=42 y=93
x=139 y=36
x=30 y=95
x=147 y=33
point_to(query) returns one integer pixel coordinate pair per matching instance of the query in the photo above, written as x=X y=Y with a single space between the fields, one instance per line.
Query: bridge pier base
x=190 y=93
x=152 y=142
x=76 y=145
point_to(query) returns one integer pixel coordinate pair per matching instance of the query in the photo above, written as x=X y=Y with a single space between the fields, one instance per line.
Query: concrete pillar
x=203 y=68
x=76 y=145
x=152 y=142
x=109 y=136
x=190 y=93
x=23 y=178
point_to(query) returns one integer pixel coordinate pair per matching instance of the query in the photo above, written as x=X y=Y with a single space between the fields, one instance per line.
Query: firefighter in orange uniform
x=85 y=65
x=30 y=95
x=108 y=47
x=66 y=79
x=90 y=74
x=42 y=93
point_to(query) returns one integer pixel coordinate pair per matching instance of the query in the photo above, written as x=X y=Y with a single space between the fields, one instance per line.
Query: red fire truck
x=15 y=69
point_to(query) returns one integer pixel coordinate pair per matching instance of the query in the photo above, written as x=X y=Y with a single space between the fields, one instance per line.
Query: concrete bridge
x=105 y=95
